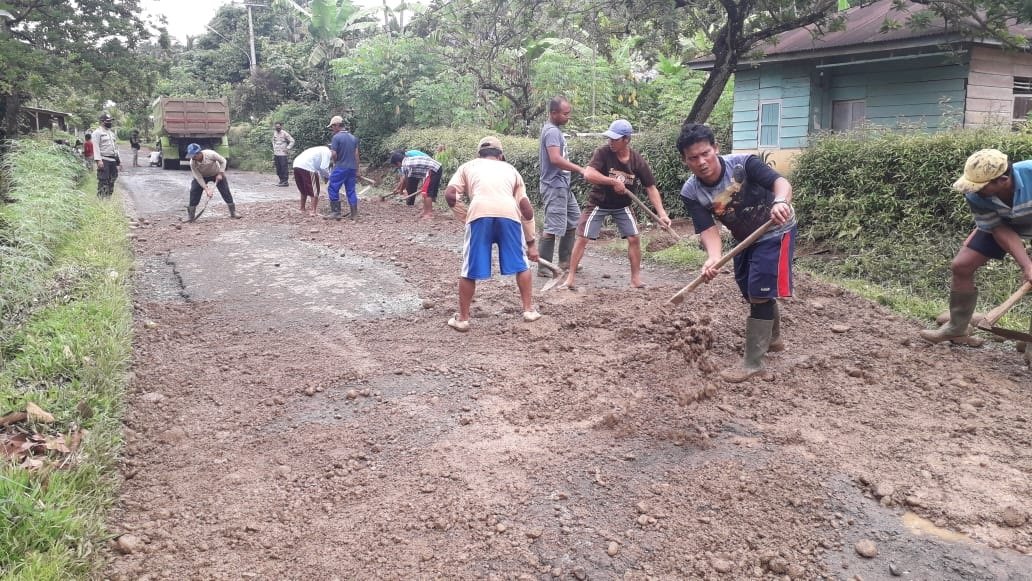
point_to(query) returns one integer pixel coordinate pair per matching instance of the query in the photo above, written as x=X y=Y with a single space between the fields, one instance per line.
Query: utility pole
x=250 y=30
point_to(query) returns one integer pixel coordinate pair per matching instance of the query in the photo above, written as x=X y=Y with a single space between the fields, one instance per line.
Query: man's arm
x=358 y=161
x=529 y=228
x=290 y=141
x=197 y=175
x=555 y=155
x=781 y=211
x=593 y=176
x=1009 y=240
x=451 y=195
x=711 y=243
x=96 y=148
x=657 y=202
x=221 y=162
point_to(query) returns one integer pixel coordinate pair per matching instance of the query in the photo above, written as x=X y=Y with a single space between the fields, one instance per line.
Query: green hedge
x=881 y=202
x=460 y=144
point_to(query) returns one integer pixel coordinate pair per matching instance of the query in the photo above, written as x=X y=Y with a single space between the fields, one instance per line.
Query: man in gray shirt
x=560 y=205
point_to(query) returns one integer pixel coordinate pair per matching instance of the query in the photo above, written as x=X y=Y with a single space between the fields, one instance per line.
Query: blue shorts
x=985 y=244
x=764 y=270
x=481 y=235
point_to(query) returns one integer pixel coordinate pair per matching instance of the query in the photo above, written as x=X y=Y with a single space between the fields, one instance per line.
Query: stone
x=866 y=548
x=128 y=544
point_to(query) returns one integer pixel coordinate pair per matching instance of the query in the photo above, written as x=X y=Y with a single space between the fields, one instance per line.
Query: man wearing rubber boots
x=558 y=203
x=207 y=166
x=344 y=153
x=1000 y=197
x=105 y=154
x=742 y=193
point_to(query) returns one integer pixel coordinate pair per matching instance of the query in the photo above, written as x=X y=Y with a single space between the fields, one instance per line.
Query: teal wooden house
x=876 y=71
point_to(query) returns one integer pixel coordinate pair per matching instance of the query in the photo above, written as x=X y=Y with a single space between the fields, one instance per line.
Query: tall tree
x=48 y=46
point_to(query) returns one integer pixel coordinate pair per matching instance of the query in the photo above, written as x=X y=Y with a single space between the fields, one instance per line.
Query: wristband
x=781 y=202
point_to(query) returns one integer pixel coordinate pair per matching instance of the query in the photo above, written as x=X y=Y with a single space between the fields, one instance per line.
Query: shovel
x=738 y=249
x=989 y=322
x=654 y=216
x=558 y=275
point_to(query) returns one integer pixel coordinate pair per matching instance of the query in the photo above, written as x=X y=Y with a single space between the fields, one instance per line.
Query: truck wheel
x=170 y=163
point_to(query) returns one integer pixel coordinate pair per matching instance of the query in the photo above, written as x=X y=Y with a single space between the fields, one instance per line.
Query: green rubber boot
x=757 y=339
x=546 y=247
x=962 y=307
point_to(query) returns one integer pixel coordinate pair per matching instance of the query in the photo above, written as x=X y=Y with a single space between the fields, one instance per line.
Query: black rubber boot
x=566 y=248
x=354 y=212
x=962 y=307
x=232 y=211
x=757 y=339
x=546 y=247
x=776 y=344
x=334 y=211
x=191 y=213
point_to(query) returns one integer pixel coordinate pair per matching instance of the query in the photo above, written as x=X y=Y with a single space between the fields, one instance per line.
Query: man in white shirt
x=309 y=166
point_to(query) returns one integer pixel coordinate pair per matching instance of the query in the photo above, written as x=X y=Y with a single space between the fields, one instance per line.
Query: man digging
x=742 y=193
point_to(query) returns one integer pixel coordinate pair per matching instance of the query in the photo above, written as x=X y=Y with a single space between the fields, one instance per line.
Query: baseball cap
x=982 y=167
x=619 y=129
x=336 y=120
x=490 y=142
x=192 y=150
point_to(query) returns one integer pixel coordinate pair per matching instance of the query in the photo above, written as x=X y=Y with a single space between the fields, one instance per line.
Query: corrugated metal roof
x=864 y=26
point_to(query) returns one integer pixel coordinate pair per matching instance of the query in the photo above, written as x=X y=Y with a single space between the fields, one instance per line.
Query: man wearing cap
x=207 y=166
x=1000 y=197
x=615 y=172
x=282 y=143
x=105 y=153
x=499 y=213
x=742 y=193
x=344 y=153
x=562 y=213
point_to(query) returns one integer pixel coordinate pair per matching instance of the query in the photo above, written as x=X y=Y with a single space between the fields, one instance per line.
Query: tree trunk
x=12 y=107
x=712 y=89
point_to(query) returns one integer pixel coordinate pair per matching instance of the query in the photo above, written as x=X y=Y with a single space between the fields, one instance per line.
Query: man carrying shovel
x=742 y=193
x=1000 y=197
x=207 y=166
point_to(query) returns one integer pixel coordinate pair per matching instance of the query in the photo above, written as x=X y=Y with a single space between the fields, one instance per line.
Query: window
x=770 y=121
x=846 y=115
x=1022 y=99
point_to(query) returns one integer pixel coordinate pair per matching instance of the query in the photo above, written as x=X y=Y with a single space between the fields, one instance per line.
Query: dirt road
x=299 y=409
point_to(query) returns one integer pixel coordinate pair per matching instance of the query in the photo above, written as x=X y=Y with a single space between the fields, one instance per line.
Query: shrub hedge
x=881 y=202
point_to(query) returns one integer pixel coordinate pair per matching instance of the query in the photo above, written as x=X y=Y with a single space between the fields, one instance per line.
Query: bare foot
x=426 y=216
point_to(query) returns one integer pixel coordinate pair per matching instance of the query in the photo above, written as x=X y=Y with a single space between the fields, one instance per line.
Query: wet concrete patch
x=265 y=270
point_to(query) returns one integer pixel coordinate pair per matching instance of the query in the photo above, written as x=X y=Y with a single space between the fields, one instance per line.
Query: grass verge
x=66 y=345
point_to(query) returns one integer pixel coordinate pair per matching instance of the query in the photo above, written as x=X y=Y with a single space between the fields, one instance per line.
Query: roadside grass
x=65 y=342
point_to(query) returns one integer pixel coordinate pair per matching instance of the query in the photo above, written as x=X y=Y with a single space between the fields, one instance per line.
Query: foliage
x=893 y=220
x=306 y=123
x=68 y=353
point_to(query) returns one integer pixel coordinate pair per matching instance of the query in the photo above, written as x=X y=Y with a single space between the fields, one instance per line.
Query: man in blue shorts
x=1000 y=197
x=499 y=213
x=742 y=193
x=615 y=172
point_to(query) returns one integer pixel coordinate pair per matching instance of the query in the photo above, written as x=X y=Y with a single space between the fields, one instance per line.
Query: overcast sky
x=188 y=17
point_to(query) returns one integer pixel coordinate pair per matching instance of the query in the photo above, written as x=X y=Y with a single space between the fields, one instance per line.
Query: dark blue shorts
x=764 y=270
x=985 y=244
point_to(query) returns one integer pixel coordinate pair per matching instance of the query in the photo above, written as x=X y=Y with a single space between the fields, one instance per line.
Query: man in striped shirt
x=1000 y=197
x=419 y=173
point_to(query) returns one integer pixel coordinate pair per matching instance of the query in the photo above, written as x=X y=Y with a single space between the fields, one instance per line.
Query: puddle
x=921 y=526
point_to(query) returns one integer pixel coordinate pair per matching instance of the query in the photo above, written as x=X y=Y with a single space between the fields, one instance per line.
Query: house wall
x=923 y=93
x=785 y=84
x=990 y=97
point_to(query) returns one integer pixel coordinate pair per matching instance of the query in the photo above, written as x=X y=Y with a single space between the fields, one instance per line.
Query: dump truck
x=181 y=121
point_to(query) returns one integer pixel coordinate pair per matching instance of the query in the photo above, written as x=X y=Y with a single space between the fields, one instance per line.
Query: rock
x=613 y=549
x=152 y=397
x=534 y=533
x=839 y=328
x=866 y=548
x=895 y=570
x=1013 y=517
x=778 y=565
x=128 y=544
x=501 y=528
x=149 y=324
x=721 y=565
x=309 y=391
x=796 y=571
x=428 y=304
x=884 y=489
x=352 y=394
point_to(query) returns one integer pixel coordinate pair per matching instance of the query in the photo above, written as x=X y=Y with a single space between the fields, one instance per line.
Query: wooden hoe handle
x=654 y=216
x=738 y=249
x=998 y=313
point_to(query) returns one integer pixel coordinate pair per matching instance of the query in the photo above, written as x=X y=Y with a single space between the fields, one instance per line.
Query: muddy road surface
x=299 y=409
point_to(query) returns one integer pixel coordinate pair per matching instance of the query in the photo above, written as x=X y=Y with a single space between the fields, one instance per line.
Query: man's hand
x=532 y=252
x=1028 y=273
x=664 y=219
x=709 y=269
x=100 y=164
x=781 y=212
x=218 y=178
